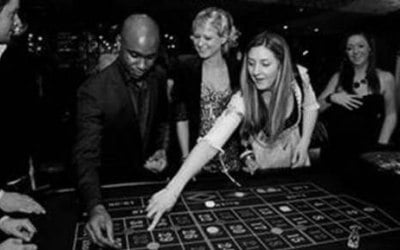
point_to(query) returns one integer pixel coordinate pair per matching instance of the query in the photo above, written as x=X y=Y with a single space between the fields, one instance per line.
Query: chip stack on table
x=353 y=240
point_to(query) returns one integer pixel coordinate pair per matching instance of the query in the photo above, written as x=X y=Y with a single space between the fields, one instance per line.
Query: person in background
x=204 y=83
x=18 y=80
x=10 y=202
x=358 y=104
x=122 y=123
x=22 y=230
x=270 y=107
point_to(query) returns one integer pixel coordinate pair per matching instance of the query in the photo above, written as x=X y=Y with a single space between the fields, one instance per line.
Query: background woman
x=204 y=83
x=269 y=105
x=359 y=101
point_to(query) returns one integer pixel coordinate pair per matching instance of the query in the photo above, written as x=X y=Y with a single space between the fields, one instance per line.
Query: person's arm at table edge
x=87 y=148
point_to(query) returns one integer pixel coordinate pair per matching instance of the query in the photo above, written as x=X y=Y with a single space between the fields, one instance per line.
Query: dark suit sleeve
x=162 y=111
x=87 y=150
x=179 y=110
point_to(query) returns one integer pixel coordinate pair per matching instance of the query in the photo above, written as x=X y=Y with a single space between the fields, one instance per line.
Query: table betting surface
x=291 y=210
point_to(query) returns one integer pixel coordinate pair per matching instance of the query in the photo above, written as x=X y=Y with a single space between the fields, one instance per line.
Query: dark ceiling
x=331 y=16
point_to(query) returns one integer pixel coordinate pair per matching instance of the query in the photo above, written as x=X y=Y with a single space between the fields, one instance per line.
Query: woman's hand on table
x=300 y=155
x=161 y=202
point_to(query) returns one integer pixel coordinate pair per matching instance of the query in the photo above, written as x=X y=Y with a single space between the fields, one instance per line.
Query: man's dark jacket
x=109 y=146
x=19 y=112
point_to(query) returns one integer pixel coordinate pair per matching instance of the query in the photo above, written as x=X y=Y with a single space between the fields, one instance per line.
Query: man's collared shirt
x=139 y=94
x=3 y=48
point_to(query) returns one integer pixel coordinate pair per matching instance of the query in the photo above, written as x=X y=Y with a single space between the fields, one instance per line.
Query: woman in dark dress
x=358 y=102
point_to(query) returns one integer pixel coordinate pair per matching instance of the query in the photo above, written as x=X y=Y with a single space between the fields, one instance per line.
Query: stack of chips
x=353 y=241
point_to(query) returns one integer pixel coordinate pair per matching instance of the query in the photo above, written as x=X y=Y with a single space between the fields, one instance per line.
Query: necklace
x=358 y=84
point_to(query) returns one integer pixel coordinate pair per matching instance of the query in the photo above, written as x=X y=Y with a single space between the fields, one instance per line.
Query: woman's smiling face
x=206 y=40
x=357 y=49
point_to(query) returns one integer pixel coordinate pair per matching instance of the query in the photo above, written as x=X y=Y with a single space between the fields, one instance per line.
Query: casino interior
x=306 y=208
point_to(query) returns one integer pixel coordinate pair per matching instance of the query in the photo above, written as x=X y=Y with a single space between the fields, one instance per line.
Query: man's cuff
x=2 y=192
x=91 y=204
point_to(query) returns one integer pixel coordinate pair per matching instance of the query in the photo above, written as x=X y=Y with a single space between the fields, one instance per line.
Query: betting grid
x=271 y=217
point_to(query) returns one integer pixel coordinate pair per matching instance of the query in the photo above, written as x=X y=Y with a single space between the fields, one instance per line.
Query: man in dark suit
x=122 y=122
x=20 y=99
x=14 y=137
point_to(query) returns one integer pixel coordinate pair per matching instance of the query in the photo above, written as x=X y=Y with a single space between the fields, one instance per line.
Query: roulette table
x=298 y=209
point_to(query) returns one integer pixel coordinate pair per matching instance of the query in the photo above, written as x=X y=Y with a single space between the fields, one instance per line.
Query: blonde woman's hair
x=222 y=21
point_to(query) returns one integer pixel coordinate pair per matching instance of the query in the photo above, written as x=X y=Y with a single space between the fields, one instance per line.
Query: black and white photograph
x=200 y=124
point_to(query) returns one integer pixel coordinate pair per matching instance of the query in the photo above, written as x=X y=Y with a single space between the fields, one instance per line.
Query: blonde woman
x=205 y=82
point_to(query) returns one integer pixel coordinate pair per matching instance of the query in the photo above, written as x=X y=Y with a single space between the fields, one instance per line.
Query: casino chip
x=153 y=246
x=261 y=190
x=369 y=209
x=276 y=230
x=239 y=194
x=209 y=204
x=285 y=209
x=212 y=230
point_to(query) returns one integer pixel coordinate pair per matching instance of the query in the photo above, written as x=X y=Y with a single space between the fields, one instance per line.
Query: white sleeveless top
x=232 y=116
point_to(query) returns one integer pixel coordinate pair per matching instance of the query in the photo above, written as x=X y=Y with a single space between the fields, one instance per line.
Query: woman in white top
x=269 y=106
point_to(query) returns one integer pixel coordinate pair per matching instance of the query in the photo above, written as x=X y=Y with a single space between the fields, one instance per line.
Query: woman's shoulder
x=386 y=80
x=384 y=76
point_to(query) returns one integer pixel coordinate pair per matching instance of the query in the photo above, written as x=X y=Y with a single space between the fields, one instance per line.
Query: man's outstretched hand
x=100 y=227
x=12 y=202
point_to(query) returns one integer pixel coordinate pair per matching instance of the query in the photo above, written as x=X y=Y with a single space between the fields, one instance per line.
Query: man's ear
x=118 y=42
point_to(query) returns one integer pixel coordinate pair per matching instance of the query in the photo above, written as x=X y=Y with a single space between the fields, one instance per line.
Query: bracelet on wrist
x=245 y=154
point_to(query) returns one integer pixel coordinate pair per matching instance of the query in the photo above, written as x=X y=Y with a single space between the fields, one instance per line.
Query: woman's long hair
x=346 y=70
x=258 y=116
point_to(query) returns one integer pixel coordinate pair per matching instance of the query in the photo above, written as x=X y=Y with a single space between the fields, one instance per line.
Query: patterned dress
x=212 y=104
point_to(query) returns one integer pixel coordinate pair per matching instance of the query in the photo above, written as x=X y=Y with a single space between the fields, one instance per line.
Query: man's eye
x=133 y=55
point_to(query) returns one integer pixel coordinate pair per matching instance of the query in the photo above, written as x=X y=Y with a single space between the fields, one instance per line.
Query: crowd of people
x=249 y=114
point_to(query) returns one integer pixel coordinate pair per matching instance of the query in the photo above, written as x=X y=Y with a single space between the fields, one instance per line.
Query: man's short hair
x=3 y=3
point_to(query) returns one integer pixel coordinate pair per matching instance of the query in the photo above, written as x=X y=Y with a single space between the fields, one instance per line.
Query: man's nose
x=142 y=63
